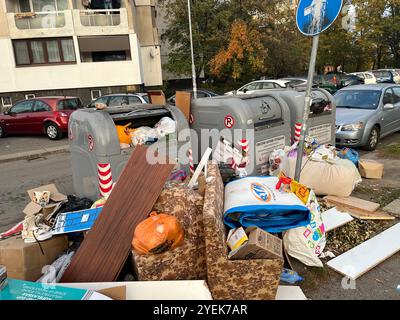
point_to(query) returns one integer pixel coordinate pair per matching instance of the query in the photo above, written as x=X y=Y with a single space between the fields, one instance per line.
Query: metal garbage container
x=96 y=155
x=322 y=117
x=266 y=115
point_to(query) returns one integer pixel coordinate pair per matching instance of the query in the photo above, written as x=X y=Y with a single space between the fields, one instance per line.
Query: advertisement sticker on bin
x=265 y=147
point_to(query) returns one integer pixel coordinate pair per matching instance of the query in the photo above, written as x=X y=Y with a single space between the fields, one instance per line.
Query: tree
x=245 y=53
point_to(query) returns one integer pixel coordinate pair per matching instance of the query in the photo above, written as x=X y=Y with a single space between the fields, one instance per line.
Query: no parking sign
x=229 y=121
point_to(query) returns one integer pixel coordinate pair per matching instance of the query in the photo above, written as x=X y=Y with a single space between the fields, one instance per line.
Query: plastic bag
x=325 y=153
x=277 y=162
x=143 y=135
x=165 y=126
x=349 y=154
x=307 y=243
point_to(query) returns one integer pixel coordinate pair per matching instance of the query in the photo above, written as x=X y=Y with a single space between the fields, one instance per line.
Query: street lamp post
x=191 y=50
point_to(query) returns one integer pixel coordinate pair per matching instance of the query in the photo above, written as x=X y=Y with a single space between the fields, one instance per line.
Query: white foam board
x=290 y=293
x=153 y=290
x=368 y=254
x=334 y=218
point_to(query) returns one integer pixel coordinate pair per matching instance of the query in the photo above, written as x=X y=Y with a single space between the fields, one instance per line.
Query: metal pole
x=191 y=50
x=307 y=105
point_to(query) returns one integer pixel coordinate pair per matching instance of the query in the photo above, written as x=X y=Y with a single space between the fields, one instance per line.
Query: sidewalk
x=16 y=148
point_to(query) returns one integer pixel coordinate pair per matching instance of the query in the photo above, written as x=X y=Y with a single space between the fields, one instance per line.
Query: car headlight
x=353 y=126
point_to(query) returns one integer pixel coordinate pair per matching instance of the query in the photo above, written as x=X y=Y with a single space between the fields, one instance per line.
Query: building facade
x=60 y=47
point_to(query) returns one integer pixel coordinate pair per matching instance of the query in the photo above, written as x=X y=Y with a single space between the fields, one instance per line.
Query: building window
x=30 y=96
x=6 y=101
x=44 y=51
x=42 y=5
x=104 y=48
x=95 y=94
x=109 y=56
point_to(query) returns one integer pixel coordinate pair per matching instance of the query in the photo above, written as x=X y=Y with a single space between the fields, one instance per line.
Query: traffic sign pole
x=307 y=105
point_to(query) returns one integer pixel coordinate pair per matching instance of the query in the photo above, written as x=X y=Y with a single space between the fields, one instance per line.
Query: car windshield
x=358 y=99
x=381 y=74
x=146 y=98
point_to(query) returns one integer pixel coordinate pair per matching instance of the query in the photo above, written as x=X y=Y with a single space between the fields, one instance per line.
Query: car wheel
x=2 y=133
x=53 y=131
x=373 y=139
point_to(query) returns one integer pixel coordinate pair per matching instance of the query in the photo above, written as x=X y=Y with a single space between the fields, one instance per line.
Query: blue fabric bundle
x=254 y=201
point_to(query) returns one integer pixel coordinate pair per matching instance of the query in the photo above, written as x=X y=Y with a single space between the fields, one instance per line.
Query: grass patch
x=381 y=195
x=392 y=150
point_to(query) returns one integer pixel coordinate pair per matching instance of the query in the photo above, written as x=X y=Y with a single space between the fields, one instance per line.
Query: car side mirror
x=388 y=106
x=244 y=90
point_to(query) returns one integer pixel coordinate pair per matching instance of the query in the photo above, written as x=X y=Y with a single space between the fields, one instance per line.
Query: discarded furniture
x=232 y=279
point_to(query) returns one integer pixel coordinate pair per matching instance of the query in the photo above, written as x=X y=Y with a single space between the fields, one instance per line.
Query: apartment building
x=59 y=47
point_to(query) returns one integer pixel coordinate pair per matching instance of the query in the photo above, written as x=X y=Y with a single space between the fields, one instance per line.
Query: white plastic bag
x=143 y=135
x=165 y=126
x=307 y=243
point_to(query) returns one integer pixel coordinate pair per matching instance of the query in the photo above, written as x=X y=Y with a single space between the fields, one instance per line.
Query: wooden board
x=154 y=290
x=368 y=254
x=183 y=101
x=333 y=219
x=157 y=97
x=106 y=247
x=290 y=293
x=353 y=202
x=366 y=215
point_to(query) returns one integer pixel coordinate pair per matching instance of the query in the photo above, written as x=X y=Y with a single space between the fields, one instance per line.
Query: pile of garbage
x=132 y=137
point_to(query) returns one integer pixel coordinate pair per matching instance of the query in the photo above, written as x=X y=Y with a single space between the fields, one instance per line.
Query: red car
x=48 y=115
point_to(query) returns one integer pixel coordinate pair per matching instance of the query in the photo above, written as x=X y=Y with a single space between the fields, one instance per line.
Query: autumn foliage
x=244 y=53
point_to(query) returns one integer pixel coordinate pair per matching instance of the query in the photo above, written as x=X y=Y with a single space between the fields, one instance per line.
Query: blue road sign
x=315 y=16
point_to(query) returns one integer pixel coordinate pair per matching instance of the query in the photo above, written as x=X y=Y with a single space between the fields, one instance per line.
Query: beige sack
x=338 y=179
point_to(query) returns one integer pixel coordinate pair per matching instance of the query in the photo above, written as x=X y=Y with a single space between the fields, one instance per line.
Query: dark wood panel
x=104 y=251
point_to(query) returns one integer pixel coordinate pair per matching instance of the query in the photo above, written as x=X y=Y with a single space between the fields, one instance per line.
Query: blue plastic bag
x=349 y=154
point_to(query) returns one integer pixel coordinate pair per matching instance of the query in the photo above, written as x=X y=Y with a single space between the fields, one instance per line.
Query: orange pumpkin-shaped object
x=157 y=234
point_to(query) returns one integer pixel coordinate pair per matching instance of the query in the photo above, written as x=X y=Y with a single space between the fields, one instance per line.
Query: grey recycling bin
x=266 y=115
x=95 y=146
x=322 y=117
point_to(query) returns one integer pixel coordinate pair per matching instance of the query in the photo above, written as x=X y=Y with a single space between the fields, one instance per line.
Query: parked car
x=366 y=113
x=47 y=115
x=259 y=85
x=395 y=73
x=333 y=82
x=120 y=99
x=383 y=76
x=368 y=77
x=350 y=80
x=297 y=82
x=201 y=93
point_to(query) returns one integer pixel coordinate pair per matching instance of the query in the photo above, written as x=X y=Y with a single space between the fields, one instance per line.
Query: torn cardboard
x=370 y=169
x=260 y=245
x=56 y=198
x=24 y=261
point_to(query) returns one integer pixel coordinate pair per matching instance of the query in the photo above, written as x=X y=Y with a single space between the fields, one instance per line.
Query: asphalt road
x=19 y=176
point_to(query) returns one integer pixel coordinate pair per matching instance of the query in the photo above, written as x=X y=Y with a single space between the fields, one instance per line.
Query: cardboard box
x=370 y=169
x=56 y=198
x=260 y=245
x=24 y=261
x=157 y=97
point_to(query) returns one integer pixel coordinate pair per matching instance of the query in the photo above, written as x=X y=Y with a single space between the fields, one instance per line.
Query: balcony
x=40 y=24
x=100 y=22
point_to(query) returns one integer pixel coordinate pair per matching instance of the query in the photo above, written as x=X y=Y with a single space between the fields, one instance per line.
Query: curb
x=33 y=154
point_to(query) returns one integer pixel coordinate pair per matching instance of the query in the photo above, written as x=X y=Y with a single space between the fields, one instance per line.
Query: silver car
x=365 y=113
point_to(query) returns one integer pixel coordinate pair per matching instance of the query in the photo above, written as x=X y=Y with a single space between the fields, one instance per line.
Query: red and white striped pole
x=191 y=162
x=105 y=179
x=297 y=131
x=245 y=145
